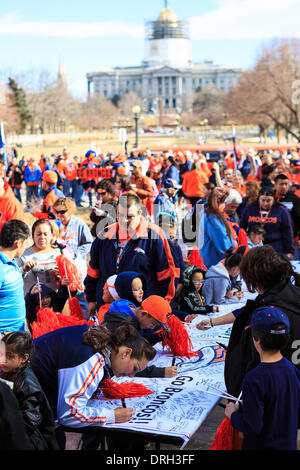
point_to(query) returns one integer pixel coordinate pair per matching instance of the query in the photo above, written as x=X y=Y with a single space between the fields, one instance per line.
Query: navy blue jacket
x=271 y=402
x=149 y=252
x=278 y=226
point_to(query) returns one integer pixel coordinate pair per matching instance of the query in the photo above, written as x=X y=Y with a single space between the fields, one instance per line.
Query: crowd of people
x=169 y=234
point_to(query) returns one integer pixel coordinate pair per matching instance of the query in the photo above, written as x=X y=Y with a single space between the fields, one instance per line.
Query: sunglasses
x=101 y=194
x=61 y=212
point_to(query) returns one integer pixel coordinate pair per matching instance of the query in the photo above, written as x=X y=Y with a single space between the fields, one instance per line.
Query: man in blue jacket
x=131 y=244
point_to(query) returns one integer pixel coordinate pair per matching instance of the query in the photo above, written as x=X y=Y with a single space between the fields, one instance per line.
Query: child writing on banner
x=270 y=391
x=35 y=409
x=220 y=286
x=191 y=300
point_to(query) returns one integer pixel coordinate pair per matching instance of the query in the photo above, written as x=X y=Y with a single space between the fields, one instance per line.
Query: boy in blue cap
x=270 y=391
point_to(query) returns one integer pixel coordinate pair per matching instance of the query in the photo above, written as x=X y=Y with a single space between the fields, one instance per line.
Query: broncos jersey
x=70 y=372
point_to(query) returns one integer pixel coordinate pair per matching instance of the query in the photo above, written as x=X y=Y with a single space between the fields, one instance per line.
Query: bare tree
x=127 y=102
x=209 y=103
x=267 y=94
x=96 y=113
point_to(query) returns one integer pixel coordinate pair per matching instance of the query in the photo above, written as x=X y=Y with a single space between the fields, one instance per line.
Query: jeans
x=32 y=192
x=17 y=192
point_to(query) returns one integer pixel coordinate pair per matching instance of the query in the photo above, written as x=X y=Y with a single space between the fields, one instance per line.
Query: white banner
x=178 y=406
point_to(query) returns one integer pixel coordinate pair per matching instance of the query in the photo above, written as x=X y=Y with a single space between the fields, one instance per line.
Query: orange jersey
x=192 y=183
x=68 y=168
x=10 y=207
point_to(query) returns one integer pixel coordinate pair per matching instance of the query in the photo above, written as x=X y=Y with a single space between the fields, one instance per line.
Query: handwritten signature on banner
x=178 y=405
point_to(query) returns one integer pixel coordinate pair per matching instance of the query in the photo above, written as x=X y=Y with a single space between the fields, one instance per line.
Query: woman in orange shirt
x=192 y=183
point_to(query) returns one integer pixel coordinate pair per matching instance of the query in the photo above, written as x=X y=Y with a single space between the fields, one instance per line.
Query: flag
x=3 y=143
x=234 y=148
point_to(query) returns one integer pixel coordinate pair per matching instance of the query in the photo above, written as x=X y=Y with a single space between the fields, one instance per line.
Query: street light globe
x=136 y=109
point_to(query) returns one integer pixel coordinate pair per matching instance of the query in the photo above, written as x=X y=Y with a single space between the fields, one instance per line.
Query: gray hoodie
x=216 y=285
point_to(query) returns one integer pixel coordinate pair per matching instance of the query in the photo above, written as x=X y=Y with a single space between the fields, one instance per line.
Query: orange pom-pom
x=195 y=259
x=178 y=340
x=67 y=269
x=125 y=390
x=48 y=320
x=226 y=438
x=75 y=308
x=101 y=312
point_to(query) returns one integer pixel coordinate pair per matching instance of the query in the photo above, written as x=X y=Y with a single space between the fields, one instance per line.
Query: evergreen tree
x=20 y=103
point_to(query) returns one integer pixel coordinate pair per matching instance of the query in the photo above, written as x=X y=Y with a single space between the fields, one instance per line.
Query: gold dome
x=167 y=14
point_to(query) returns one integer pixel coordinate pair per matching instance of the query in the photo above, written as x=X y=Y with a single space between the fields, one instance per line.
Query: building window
x=200 y=81
x=174 y=81
x=160 y=91
x=174 y=103
x=167 y=103
x=167 y=91
x=174 y=91
x=159 y=80
x=105 y=93
x=166 y=81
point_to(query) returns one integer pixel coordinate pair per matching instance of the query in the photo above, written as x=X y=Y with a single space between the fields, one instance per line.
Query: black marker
x=173 y=360
x=123 y=402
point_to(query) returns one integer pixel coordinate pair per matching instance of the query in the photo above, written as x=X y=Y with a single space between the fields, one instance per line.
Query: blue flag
x=3 y=143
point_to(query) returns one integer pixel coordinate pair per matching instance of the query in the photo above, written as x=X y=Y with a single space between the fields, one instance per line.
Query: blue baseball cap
x=169 y=183
x=264 y=318
x=90 y=152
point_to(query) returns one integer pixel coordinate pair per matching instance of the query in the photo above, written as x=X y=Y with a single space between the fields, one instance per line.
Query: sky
x=88 y=35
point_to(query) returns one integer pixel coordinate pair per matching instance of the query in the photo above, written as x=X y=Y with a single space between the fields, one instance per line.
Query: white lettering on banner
x=178 y=405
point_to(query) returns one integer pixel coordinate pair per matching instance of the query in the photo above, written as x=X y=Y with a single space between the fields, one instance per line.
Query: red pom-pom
x=178 y=340
x=125 y=390
x=242 y=238
x=195 y=259
x=101 y=312
x=67 y=269
x=226 y=438
x=75 y=308
x=48 y=320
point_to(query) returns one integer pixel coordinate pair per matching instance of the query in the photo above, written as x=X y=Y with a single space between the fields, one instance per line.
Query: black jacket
x=241 y=355
x=35 y=409
x=12 y=430
x=292 y=203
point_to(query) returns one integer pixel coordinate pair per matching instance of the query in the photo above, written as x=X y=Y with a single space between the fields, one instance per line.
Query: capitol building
x=167 y=77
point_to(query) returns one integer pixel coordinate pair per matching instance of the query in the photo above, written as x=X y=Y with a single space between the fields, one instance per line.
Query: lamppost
x=136 y=111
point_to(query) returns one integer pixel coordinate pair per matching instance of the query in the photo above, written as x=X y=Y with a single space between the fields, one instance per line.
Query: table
x=179 y=405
